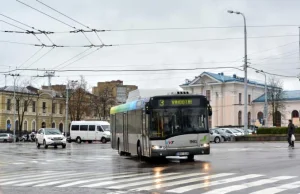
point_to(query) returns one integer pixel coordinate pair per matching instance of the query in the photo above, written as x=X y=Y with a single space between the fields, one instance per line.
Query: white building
x=226 y=97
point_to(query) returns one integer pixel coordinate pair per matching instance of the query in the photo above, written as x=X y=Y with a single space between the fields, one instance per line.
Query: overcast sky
x=129 y=14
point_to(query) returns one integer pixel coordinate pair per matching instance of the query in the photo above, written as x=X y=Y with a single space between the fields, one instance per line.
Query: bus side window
x=99 y=128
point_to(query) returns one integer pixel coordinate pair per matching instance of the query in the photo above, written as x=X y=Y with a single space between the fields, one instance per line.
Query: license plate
x=182 y=153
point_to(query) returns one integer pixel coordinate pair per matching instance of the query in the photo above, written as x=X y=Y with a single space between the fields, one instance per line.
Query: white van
x=90 y=131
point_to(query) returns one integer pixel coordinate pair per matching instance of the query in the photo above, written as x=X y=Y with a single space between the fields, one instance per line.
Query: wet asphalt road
x=96 y=168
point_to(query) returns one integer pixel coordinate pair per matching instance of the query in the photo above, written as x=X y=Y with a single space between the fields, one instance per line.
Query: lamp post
x=266 y=97
x=67 y=105
x=245 y=71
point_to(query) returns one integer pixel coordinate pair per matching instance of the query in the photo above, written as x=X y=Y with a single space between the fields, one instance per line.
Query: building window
x=25 y=125
x=249 y=118
x=53 y=125
x=44 y=107
x=208 y=95
x=17 y=105
x=249 y=99
x=277 y=122
x=53 y=108
x=8 y=104
x=295 y=114
x=61 y=127
x=240 y=98
x=260 y=117
x=25 y=105
x=33 y=106
x=60 y=108
x=33 y=126
x=240 y=118
x=43 y=125
x=8 y=125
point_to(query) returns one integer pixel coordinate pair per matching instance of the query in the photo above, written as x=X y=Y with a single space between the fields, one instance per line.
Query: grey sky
x=112 y=14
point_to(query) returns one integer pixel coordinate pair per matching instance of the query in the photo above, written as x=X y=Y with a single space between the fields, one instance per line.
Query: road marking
x=279 y=189
x=213 y=183
x=49 y=179
x=100 y=179
x=248 y=185
x=37 y=174
x=161 y=185
x=156 y=180
x=127 y=180
x=21 y=179
x=55 y=182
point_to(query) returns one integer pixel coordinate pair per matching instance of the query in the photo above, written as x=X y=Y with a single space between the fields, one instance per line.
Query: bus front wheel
x=190 y=158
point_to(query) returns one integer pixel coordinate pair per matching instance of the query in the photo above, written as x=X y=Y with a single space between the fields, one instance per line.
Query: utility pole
x=67 y=108
x=245 y=72
x=15 y=103
x=67 y=105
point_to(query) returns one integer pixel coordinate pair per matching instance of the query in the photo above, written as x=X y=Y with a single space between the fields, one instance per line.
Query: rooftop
x=287 y=96
x=222 y=78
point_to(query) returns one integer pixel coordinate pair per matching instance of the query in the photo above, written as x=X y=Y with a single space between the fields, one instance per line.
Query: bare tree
x=102 y=102
x=24 y=98
x=275 y=100
x=79 y=100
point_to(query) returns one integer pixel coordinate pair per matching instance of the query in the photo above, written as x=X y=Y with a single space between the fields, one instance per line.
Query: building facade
x=34 y=108
x=115 y=89
x=226 y=96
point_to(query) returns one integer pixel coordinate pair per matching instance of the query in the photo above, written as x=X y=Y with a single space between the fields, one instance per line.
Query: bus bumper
x=180 y=152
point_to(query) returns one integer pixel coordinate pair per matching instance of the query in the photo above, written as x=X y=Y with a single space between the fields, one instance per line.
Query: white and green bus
x=161 y=126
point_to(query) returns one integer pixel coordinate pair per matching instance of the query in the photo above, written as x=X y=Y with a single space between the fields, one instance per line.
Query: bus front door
x=145 y=138
x=125 y=134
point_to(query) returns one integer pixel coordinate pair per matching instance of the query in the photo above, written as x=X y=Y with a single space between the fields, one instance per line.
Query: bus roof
x=134 y=105
x=90 y=122
x=140 y=104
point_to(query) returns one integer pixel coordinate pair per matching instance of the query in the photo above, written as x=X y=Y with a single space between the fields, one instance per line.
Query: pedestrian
x=291 y=131
x=27 y=136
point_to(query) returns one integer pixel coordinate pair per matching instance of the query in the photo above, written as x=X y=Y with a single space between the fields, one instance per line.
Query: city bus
x=162 y=126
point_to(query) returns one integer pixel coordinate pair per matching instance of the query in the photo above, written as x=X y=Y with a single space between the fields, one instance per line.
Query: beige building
x=115 y=89
x=39 y=108
x=226 y=96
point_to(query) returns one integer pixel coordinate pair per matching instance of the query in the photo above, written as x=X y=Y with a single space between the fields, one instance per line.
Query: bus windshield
x=177 y=121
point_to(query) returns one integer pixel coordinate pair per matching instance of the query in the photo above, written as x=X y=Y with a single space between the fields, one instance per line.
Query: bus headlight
x=155 y=147
x=205 y=145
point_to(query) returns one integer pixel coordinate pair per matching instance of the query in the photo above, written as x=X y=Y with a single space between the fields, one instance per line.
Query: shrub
x=275 y=130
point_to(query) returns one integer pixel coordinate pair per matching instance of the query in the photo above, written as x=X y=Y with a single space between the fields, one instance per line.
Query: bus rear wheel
x=78 y=140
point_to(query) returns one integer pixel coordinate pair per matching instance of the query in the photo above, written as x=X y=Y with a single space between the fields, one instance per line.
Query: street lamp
x=266 y=97
x=67 y=104
x=245 y=71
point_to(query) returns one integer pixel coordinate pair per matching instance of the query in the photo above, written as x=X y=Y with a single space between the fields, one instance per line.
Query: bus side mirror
x=147 y=108
x=209 y=110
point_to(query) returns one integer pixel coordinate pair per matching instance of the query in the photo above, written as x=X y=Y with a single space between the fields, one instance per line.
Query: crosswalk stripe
x=156 y=180
x=279 y=189
x=213 y=183
x=248 y=185
x=34 y=179
x=127 y=180
x=161 y=185
x=49 y=179
x=37 y=174
x=100 y=179
x=56 y=182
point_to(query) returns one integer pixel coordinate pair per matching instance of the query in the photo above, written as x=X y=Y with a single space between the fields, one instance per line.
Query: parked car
x=214 y=137
x=50 y=137
x=6 y=137
x=232 y=131
x=226 y=136
x=240 y=130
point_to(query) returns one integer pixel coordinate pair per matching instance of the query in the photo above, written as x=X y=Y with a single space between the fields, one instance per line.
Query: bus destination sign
x=178 y=102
